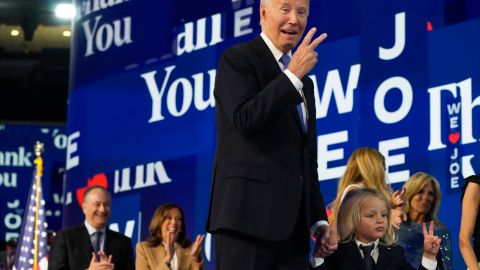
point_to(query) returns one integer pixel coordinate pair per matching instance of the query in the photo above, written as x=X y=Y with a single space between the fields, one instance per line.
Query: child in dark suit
x=367 y=238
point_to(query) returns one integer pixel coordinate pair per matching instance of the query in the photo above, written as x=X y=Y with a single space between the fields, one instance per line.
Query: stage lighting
x=65 y=11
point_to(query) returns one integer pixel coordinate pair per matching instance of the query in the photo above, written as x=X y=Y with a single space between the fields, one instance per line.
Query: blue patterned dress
x=410 y=237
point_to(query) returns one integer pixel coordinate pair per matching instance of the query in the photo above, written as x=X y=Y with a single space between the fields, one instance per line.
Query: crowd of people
x=362 y=229
x=266 y=202
x=92 y=245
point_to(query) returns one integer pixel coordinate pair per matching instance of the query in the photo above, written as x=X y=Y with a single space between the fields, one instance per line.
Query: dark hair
x=155 y=228
x=87 y=191
x=11 y=243
x=471 y=178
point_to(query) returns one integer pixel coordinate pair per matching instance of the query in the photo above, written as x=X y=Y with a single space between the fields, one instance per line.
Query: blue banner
x=391 y=75
x=16 y=168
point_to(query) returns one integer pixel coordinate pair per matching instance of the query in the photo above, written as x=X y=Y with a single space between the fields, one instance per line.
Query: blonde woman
x=423 y=196
x=366 y=168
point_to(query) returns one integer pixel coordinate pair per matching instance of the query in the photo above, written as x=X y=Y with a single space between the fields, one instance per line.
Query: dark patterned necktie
x=96 y=241
x=367 y=258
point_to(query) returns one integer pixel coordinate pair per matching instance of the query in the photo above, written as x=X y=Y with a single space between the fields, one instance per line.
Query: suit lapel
x=353 y=254
x=85 y=243
x=107 y=245
x=182 y=259
x=310 y=100
x=270 y=65
x=272 y=70
x=294 y=111
x=384 y=254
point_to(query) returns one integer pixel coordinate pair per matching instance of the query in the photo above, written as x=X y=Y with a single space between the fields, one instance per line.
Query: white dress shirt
x=91 y=230
x=297 y=83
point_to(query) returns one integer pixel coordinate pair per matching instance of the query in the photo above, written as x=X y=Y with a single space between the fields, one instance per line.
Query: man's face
x=96 y=208
x=284 y=22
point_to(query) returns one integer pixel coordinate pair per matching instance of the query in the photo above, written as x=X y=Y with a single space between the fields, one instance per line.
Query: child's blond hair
x=366 y=165
x=349 y=214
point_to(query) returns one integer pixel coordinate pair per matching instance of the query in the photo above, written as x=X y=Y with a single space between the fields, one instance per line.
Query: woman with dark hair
x=167 y=246
x=423 y=197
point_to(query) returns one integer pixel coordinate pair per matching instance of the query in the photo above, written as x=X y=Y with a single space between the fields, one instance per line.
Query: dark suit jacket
x=348 y=257
x=265 y=167
x=72 y=249
x=3 y=261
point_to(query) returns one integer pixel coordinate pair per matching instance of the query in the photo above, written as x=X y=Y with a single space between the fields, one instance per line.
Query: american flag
x=32 y=245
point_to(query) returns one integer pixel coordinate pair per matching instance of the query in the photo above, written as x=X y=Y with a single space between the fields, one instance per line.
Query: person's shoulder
x=243 y=48
x=117 y=235
x=395 y=247
x=440 y=226
x=473 y=179
x=143 y=245
x=343 y=245
x=72 y=230
x=410 y=225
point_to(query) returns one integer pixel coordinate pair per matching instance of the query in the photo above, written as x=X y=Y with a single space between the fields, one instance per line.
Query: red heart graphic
x=454 y=137
x=97 y=180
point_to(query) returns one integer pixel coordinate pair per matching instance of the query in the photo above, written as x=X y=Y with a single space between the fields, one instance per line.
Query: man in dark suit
x=7 y=257
x=92 y=245
x=265 y=197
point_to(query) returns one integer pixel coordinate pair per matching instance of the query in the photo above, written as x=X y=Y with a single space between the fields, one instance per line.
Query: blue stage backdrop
x=400 y=76
x=16 y=170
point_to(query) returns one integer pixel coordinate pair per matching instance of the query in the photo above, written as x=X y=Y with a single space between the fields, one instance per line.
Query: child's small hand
x=431 y=243
x=327 y=244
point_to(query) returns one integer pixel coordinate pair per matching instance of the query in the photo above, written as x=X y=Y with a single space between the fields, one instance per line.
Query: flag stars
x=34 y=229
